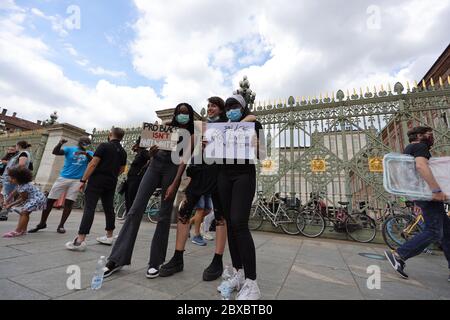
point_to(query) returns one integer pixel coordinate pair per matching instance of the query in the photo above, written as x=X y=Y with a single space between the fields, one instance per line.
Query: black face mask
x=429 y=141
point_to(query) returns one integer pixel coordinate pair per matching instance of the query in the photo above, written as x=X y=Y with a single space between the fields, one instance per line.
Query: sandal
x=37 y=228
x=61 y=230
x=13 y=234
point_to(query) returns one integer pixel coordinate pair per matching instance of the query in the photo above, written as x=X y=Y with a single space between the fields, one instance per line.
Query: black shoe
x=171 y=268
x=212 y=272
x=111 y=268
x=396 y=263
x=3 y=218
x=152 y=272
x=37 y=228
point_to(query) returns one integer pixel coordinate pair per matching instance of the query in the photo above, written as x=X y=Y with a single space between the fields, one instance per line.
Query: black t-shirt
x=418 y=150
x=140 y=160
x=112 y=158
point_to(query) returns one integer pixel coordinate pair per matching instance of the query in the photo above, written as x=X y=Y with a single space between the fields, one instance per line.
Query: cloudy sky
x=102 y=63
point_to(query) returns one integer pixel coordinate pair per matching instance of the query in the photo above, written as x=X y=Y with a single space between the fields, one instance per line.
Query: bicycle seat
x=343 y=203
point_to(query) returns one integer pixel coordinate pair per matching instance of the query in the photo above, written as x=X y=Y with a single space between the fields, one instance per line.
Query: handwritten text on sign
x=230 y=140
x=165 y=137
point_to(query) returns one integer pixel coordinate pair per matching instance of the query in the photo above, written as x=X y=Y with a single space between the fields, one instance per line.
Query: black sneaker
x=152 y=273
x=37 y=228
x=396 y=263
x=171 y=268
x=3 y=217
x=111 y=267
x=212 y=272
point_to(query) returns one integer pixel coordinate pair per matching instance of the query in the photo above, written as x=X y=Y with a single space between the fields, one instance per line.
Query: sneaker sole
x=112 y=271
x=393 y=267
x=199 y=244
x=151 y=276
x=105 y=243
x=170 y=272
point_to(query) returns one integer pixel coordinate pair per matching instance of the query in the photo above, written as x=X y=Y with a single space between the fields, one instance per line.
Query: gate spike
x=374 y=89
x=360 y=91
x=348 y=94
x=448 y=80
x=407 y=85
x=441 y=84
x=432 y=82
x=389 y=87
x=416 y=85
x=424 y=84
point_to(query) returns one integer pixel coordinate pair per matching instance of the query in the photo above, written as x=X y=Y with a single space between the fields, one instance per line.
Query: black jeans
x=437 y=228
x=95 y=190
x=237 y=189
x=131 y=190
x=161 y=172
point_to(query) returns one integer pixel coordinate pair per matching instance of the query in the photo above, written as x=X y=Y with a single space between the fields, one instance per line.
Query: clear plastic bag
x=401 y=178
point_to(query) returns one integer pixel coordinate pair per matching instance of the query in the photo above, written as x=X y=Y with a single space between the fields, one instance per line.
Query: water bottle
x=226 y=290
x=227 y=273
x=97 y=279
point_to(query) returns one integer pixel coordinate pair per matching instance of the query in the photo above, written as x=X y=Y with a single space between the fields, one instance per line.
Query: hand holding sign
x=162 y=136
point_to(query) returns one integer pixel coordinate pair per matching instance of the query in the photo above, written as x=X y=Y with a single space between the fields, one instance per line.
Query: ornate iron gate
x=335 y=145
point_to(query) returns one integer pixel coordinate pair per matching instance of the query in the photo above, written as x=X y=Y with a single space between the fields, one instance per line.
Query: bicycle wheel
x=256 y=218
x=394 y=230
x=152 y=211
x=289 y=221
x=120 y=210
x=360 y=227
x=313 y=223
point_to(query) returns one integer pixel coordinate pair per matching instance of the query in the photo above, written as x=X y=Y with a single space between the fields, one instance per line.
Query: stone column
x=51 y=165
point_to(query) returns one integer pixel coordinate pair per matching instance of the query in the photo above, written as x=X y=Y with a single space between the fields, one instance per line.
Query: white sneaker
x=208 y=236
x=249 y=291
x=236 y=281
x=105 y=240
x=73 y=246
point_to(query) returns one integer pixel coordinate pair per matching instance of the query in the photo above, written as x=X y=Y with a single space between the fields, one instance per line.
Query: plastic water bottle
x=226 y=290
x=227 y=273
x=97 y=279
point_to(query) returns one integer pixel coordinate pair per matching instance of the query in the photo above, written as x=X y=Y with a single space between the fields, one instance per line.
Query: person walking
x=437 y=223
x=101 y=176
x=10 y=152
x=76 y=159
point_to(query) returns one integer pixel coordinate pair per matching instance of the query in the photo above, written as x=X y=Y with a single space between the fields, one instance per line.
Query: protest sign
x=230 y=140
x=165 y=137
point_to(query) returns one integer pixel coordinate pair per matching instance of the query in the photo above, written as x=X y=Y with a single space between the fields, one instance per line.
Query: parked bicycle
x=313 y=218
x=151 y=211
x=277 y=213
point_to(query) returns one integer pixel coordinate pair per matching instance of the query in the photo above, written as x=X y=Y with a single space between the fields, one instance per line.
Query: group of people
x=227 y=190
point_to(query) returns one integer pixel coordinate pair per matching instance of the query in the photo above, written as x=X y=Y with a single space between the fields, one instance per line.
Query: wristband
x=82 y=181
x=436 y=191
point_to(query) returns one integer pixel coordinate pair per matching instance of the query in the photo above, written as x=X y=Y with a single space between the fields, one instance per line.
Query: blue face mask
x=213 y=119
x=182 y=118
x=234 y=115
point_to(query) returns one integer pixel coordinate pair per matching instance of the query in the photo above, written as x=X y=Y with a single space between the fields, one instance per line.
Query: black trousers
x=160 y=173
x=133 y=183
x=96 y=190
x=237 y=189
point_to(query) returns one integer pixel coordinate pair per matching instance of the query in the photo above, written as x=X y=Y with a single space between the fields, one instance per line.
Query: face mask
x=429 y=141
x=213 y=119
x=234 y=115
x=182 y=118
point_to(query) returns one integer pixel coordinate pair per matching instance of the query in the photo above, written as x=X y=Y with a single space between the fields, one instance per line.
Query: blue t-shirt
x=74 y=164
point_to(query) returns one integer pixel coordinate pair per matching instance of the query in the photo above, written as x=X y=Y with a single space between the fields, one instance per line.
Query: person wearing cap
x=76 y=159
x=136 y=172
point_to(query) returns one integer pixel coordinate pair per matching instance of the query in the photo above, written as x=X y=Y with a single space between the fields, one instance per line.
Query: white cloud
x=34 y=93
x=99 y=71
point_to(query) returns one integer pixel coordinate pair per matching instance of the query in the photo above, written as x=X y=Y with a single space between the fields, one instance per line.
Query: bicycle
x=400 y=228
x=313 y=220
x=151 y=211
x=357 y=224
x=279 y=215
